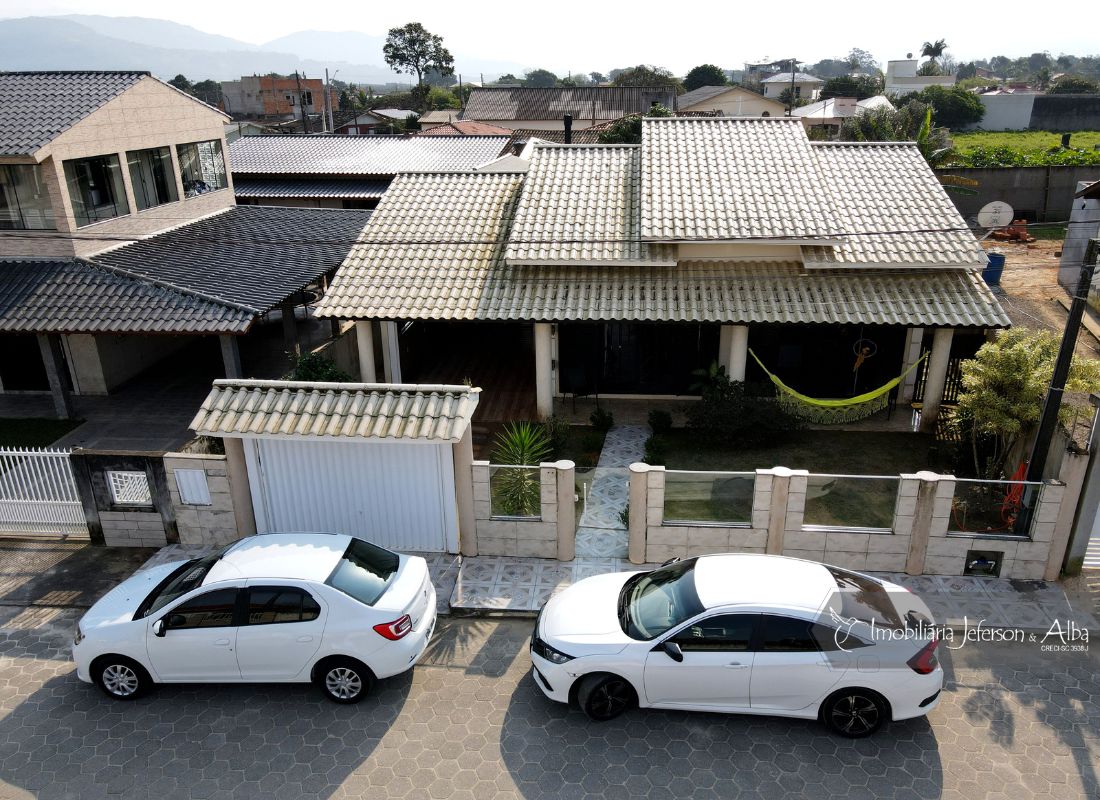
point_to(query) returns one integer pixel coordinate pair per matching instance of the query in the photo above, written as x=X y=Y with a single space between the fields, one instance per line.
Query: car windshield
x=364 y=571
x=653 y=602
x=865 y=600
x=187 y=577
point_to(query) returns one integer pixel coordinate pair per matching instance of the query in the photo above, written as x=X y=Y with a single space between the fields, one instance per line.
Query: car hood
x=119 y=604
x=584 y=619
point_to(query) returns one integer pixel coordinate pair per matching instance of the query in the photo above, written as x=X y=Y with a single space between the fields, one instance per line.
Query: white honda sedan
x=274 y=608
x=745 y=634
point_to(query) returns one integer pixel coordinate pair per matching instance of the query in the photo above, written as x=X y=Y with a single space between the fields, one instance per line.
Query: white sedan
x=273 y=608
x=745 y=634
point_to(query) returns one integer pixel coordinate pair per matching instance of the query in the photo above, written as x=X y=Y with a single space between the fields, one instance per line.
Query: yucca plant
x=516 y=491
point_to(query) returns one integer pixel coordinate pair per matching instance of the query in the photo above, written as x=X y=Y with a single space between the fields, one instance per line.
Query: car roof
x=762 y=580
x=298 y=556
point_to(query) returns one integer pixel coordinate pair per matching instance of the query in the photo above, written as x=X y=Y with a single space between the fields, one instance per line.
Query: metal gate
x=38 y=494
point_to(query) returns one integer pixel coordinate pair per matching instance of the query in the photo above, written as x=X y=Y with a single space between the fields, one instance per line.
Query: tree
x=508 y=79
x=210 y=92
x=597 y=77
x=860 y=87
x=440 y=99
x=861 y=59
x=705 y=75
x=647 y=75
x=953 y=106
x=788 y=98
x=628 y=129
x=1003 y=390
x=930 y=68
x=540 y=78
x=415 y=51
x=933 y=50
x=1074 y=84
x=968 y=70
x=181 y=83
x=911 y=122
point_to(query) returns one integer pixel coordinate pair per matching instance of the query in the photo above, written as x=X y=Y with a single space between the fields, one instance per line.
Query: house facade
x=268 y=96
x=828 y=115
x=902 y=78
x=729 y=101
x=620 y=269
x=806 y=87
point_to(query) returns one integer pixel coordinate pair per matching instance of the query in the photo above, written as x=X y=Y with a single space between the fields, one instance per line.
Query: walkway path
x=601 y=532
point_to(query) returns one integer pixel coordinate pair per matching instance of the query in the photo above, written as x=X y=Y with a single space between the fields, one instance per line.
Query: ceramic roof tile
x=295 y=187
x=582 y=204
x=360 y=155
x=336 y=410
x=724 y=178
x=584 y=103
x=891 y=210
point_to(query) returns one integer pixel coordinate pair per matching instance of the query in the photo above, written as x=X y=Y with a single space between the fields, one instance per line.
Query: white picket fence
x=38 y=493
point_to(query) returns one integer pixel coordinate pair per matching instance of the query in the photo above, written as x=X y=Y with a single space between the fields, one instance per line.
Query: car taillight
x=925 y=661
x=396 y=629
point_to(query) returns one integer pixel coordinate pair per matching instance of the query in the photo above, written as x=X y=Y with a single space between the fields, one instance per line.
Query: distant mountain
x=159 y=32
x=350 y=46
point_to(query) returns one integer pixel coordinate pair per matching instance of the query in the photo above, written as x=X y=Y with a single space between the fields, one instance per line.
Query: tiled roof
x=829 y=109
x=464 y=127
x=585 y=136
x=79 y=297
x=36 y=107
x=703 y=93
x=336 y=410
x=799 y=77
x=252 y=256
x=724 y=178
x=582 y=102
x=895 y=212
x=439 y=117
x=432 y=242
x=393 y=113
x=582 y=204
x=291 y=187
x=360 y=155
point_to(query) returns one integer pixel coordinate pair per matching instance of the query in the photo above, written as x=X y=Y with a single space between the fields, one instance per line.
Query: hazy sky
x=591 y=35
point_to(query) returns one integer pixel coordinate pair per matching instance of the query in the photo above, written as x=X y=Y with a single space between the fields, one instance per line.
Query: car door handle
x=221 y=642
x=736 y=665
x=305 y=638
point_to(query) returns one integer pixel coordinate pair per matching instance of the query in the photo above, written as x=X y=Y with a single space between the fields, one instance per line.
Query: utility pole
x=302 y=103
x=1048 y=421
x=790 y=100
x=328 y=100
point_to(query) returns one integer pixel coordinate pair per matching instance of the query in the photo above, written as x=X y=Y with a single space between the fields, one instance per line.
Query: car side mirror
x=158 y=628
x=672 y=560
x=673 y=651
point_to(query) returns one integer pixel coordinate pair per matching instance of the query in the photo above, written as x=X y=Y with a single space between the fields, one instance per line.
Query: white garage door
x=398 y=495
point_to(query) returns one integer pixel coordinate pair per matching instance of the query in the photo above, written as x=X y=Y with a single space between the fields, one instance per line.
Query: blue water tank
x=994 y=268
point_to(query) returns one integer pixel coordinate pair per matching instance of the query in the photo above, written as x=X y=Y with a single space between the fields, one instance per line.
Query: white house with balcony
x=902 y=78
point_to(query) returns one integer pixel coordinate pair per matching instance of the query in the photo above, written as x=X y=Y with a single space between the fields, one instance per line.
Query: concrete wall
x=343 y=351
x=1084 y=225
x=1045 y=193
x=1039 y=112
x=1005 y=112
x=213 y=524
x=537 y=537
x=132 y=529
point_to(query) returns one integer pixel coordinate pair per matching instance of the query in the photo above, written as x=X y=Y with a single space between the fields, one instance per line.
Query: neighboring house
x=545 y=109
x=120 y=242
x=902 y=78
x=806 y=87
x=828 y=115
x=730 y=101
x=235 y=130
x=345 y=171
x=621 y=269
x=1084 y=224
x=439 y=117
x=267 y=96
x=463 y=127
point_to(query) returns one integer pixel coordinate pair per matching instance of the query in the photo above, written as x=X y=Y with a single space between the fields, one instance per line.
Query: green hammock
x=833 y=412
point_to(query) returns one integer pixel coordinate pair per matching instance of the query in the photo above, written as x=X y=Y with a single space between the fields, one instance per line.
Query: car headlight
x=79 y=637
x=549 y=653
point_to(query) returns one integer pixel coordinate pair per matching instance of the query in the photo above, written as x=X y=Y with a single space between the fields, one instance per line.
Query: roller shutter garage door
x=400 y=495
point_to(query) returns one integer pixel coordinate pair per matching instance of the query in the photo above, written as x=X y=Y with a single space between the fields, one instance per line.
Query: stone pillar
x=290 y=330
x=936 y=378
x=482 y=505
x=49 y=345
x=364 y=340
x=567 y=511
x=391 y=352
x=733 y=350
x=777 y=514
x=923 y=508
x=462 y=453
x=639 y=489
x=236 y=469
x=1053 y=519
x=544 y=371
x=231 y=356
x=913 y=339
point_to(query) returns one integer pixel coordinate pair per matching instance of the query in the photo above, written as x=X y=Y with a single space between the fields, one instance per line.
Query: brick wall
x=132 y=528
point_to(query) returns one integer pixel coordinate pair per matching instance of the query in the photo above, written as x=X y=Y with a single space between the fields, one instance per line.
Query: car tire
x=854 y=713
x=604 y=697
x=344 y=680
x=121 y=678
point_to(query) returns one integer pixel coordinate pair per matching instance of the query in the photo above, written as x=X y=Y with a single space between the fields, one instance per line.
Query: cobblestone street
x=469 y=723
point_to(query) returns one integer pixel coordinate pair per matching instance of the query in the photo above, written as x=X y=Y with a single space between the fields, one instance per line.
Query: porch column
x=733 y=350
x=364 y=340
x=462 y=454
x=936 y=378
x=236 y=469
x=544 y=368
x=231 y=355
x=913 y=339
x=290 y=329
x=391 y=352
x=49 y=345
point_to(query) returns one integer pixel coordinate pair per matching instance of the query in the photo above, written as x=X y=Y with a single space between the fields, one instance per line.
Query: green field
x=1023 y=140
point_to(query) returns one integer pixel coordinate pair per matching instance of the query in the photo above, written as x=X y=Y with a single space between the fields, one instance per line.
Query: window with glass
x=272 y=605
x=202 y=167
x=96 y=189
x=24 y=201
x=364 y=571
x=722 y=633
x=152 y=177
x=210 y=610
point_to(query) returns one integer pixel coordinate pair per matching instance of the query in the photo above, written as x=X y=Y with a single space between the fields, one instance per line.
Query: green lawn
x=1023 y=140
x=34 y=432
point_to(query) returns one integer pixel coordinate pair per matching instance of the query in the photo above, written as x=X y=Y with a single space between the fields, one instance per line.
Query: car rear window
x=364 y=571
x=865 y=600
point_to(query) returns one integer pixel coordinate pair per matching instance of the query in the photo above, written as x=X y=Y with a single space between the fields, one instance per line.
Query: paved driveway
x=470 y=724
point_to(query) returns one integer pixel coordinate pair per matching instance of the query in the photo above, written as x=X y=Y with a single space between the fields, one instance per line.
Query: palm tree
x=933 y=49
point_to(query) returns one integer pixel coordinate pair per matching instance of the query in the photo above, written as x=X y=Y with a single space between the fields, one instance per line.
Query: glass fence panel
x=709 y=496
x=514 y=491
x=851 y=501
x=991 y=506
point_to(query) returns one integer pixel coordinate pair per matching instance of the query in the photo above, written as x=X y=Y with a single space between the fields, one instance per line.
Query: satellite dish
x=995 y=215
